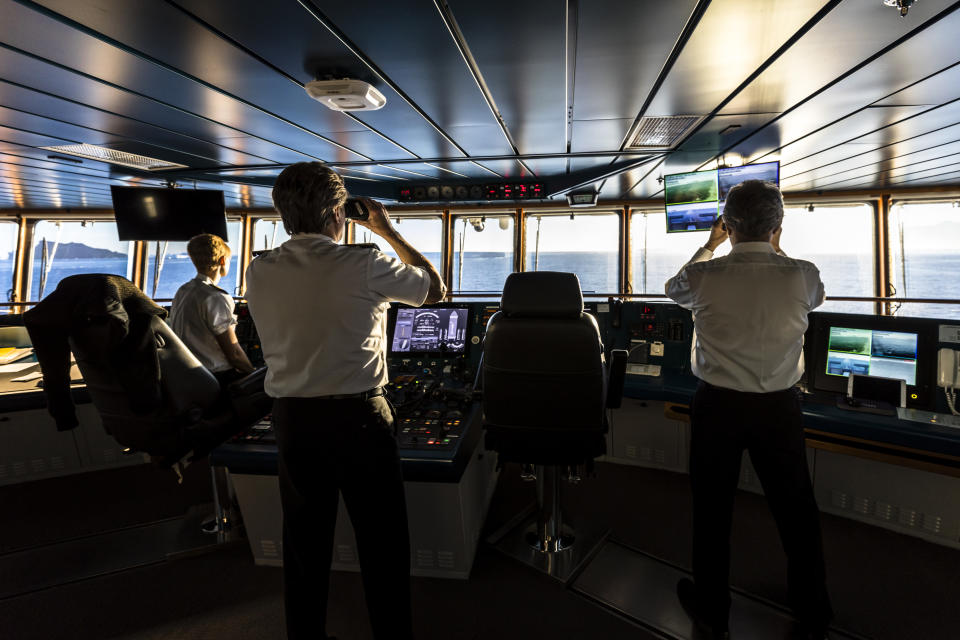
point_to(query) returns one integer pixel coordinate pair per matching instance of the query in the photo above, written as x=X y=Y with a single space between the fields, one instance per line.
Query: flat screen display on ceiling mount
x=147 y=213
x=695 y=200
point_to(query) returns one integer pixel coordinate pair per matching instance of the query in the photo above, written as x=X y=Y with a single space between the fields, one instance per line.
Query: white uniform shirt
x=321 y=311
x=201 y=311
x=749 y=314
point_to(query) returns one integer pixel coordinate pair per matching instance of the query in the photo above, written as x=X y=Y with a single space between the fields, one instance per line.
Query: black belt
x=363 y=395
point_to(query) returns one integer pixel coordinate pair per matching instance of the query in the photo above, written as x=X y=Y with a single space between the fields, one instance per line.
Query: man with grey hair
x=320 y=309
x=750 y=314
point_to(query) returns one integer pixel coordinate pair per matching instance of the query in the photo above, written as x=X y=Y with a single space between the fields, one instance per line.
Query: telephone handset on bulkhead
x=948 y=369
x=948 y=375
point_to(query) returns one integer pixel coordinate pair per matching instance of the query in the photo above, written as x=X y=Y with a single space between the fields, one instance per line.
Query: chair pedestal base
x=538 y=536
x=563 y=542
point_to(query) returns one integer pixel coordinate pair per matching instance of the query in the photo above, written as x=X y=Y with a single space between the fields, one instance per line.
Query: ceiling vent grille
x=662 y=132
x=103 y=154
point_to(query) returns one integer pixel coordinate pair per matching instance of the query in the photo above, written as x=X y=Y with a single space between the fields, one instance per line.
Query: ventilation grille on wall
x=103 y=154
x=880 y=510
x=662 y=132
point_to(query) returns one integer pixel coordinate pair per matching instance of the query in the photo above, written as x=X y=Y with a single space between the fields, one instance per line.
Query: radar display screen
x=430 y=330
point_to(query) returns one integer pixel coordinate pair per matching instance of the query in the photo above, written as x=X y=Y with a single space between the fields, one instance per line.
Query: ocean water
x=485 y=273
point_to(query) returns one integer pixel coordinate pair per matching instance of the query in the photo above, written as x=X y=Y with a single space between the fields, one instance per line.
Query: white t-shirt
x=321 y=311
x=201 y=311
x=749 y=315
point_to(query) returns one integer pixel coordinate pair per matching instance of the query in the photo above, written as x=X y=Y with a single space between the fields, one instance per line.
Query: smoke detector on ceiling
x=346 y=95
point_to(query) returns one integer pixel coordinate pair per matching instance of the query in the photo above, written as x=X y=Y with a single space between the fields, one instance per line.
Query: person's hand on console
x=718 y=234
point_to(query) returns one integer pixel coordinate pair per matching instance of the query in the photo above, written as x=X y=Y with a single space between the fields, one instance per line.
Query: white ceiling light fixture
x=112 y=156
x=346 y=95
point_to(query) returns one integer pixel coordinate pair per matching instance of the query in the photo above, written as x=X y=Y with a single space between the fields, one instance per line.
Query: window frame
x=606 y=210
x=133 y=256
x=890 y=289
x=457 y=214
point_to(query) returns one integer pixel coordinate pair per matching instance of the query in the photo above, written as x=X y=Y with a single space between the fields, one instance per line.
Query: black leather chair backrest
x=544 y=372
x=188 y=391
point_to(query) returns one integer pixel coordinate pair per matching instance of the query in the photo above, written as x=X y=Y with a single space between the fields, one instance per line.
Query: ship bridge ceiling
x=844 y=94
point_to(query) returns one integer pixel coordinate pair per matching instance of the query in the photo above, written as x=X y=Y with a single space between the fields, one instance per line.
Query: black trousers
x=345 y=446
x=768 y=425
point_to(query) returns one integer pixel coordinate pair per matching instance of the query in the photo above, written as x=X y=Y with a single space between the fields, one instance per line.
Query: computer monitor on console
x=878 y=346
x=427 y=331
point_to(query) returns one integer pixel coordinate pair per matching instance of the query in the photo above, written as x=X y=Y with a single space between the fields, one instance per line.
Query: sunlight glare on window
x=424 y=233
x=923 y=250
x=269 y=234
x=838 y=239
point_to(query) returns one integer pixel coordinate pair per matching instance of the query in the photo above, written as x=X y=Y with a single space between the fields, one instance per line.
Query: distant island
x=77 y=251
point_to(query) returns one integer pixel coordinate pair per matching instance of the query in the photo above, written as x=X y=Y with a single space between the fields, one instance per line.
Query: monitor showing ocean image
x=695 y=216
x=887 y=354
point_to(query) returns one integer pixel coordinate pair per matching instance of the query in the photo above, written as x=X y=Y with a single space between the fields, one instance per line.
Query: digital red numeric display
x=498 y=191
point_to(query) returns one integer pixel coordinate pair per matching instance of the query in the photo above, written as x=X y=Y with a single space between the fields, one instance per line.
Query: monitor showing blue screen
x=695 y=200
x=430 y=330
x=871 y=352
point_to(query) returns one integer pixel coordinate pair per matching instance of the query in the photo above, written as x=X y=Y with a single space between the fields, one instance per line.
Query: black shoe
x=687 y=593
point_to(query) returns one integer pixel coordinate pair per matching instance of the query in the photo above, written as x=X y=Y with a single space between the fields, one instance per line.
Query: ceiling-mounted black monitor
x=694 y=200
x=148 y=213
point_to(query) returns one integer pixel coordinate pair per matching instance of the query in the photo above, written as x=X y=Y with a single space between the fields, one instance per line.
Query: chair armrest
x=616 y=375
x=248 y=399
x=248 y=384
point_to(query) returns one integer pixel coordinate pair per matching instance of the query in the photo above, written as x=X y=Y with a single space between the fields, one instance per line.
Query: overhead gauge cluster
x=473 y=192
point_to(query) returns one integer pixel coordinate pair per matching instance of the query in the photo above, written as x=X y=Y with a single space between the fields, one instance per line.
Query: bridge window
x=66 y=248
x=175 y=266
x=657 y=255
x=923 y=251
x=8 y=253
x=838 y=239
x=583 y=243
x=425 y=233
x=268 y=234
x=482 y=252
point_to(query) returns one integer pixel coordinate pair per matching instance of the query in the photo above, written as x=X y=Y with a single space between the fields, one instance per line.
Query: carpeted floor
x=884 y=585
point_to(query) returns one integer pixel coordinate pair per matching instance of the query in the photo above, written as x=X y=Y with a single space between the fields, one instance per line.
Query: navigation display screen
x=431 y=330
x=691 y=200
x=695 y=200
x=730 y=177
x=887 y=354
